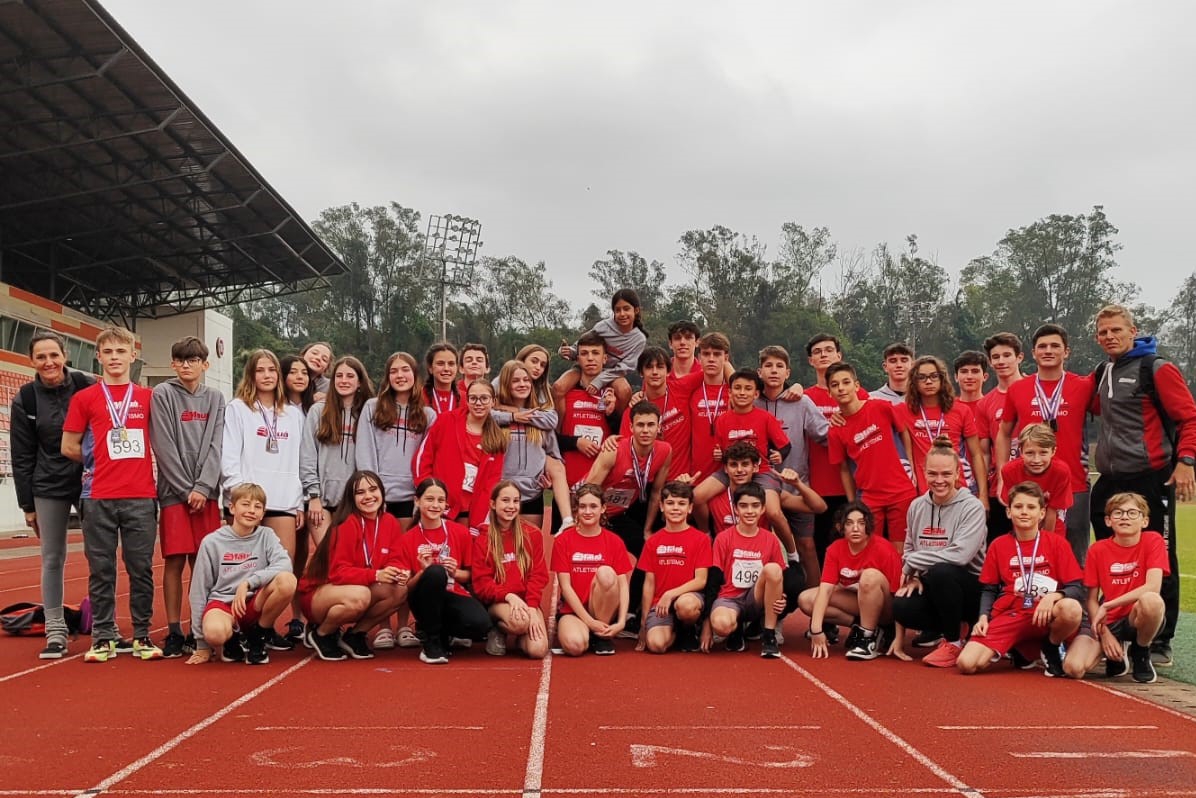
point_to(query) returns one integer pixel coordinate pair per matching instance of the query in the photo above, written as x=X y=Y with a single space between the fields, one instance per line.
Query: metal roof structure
x=118 y=197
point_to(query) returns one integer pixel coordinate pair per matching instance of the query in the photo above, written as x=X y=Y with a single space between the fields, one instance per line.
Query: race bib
x=745 y=573
x=126 y=444
x=590 y=432
x=471 y=474
x=619 y=497
x=1040 y=585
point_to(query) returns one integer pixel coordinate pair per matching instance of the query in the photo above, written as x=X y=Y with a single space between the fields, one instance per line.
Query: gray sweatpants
x=52 y=517
x=1079 y=527
x=134 y=523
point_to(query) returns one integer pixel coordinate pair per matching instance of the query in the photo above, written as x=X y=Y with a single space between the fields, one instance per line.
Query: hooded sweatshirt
x=225 y=560
x=324 y=468
x=623 y=350
x=389 y=452
x=187 y=433
x=952 y=533
x=39 y=467
x=246 y=459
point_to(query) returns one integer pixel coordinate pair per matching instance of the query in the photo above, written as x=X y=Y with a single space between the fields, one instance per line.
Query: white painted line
x=372 y=728
x=1188 y=576
x=1000 y=728
x=187 y=734
x=391 y=791
x=956 y=783
x=815 y=791
x=644 y=756
x=62 y=661
x=535 y=749
x=267 y=758
x=1146 y=753
x=707 y=726
x=1173 y=712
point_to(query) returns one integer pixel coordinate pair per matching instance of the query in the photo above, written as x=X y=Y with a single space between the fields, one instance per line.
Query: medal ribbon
x=641 y=477
x=271 y=423
x=118 y=415
x=926 y=424
x=1028 y=577
x=369 y=550
x=1049 y=408
x=712 y=414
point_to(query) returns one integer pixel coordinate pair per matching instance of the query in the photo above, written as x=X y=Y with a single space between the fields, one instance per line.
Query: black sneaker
x=1141 y=664
x=853 y=637
x=354 y=644
x=295 y=632
x=173 y=645
x=687 y=639
x=308 y=631
x=1052 y=658
x=631 y=629
x=736 y=640
x=1118 y=667
x=277 y=642
x=327 y=646
x=233 y=651
x=255 y=646
x=867 y=646
x=1020 y=661
x=752 y=630
x=1160 y=654
x=433 y=653
x=122 y=646
x=927 y=638
x=55 y=649
x=832 y=634
x=602 y=646
x=769 y=649
x=189 y=644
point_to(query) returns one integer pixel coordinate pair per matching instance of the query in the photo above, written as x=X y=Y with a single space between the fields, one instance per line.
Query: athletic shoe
x=99 y=652
x=407 y=638
x=189 y=644
x=145 y=650
x=233 y=650
x=928 y=638
x=355 y=645
x=55 y=649
x=277 y=642
x=853 y=637
x=866 y=646
x=384 y=640
x=602 y=646
x=496 y=642
x=1052 y=658
x=1160 y=654
x=944 y=656
x=780 y=634
x=769 y=649
x=458 y=642
x=1021 y=661
x=752 y=630
x=736 y=640
x=433 y=653
x=1118 y=667
x=327 y=646
x=687 y=638
x=1142 y=664
x=308 y=631
x=173 y=646
x=121 y=646
x=256 y=652
x=631 y=629
x=295 y=632
x=832 y=634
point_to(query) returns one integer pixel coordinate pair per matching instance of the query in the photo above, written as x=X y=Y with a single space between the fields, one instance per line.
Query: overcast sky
x=571 y=129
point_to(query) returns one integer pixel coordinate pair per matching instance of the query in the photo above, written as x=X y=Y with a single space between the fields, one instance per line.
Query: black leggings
x=629 y=526
x=950 y=596
x=442 y=613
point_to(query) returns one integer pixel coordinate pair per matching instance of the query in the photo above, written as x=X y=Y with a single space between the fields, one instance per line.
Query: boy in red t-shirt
x=1124 y=575
x=1037 y=464
x=675 y=563
x=585 y=416
x=1030 y=589
x=123 y=502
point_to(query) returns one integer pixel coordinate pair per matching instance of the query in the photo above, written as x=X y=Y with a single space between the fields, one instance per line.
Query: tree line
x=1059 y=268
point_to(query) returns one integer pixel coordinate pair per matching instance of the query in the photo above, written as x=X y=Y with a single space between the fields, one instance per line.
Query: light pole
x=452 y=243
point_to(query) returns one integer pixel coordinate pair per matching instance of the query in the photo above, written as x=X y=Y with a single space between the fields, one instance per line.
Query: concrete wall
x=214 y=329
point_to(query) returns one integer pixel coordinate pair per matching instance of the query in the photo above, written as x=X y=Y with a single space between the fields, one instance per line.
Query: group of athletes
x=698 y=509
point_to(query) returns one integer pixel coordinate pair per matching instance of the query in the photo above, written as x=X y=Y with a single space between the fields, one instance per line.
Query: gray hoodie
x=187 y=435
x=225 y=560
x=953 y=533
x=623 y=350
x=389 y=452
x=324 y=468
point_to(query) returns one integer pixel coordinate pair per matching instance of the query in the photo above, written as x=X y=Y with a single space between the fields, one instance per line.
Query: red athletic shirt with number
x=673 y=557
x=126 y=477
x=867 y=440
x=417 y=540
x=358 y=550
x=989 y=411
x=1055 y=483
x=722 y=511
x=621 y=489
x=957 y=424
x=452 y=454
x=674 y=418
x=843 y=568
x=824 y=477
x=1021 y=408
x=580 y=556
x=758 y=427
x=529 y=587
x=1055 y=561
x=582 y=419
x=742 y=558
x=705 y=406
x=1117 y=569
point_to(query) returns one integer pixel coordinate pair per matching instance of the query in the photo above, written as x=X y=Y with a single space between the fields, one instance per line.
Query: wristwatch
x=1188 y=460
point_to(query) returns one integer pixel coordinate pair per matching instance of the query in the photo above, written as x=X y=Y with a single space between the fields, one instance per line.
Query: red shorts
x=1014 y=628
x=305 y=603
x=891 y=518
x=252 y=612
x=180 y=531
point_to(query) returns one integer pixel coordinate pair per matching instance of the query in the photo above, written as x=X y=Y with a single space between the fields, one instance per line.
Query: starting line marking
x=374 y=728
x=266 y=758
x=706 y=726
x=1147 y=753
x=1008 y=728
x=644 y=756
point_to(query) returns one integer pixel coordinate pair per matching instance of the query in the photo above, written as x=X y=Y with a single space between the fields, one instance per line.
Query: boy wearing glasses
x=187 y=434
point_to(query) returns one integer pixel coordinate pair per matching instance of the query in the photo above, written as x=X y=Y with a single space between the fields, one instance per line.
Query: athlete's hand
x=300 y=519
x=665 y=604
x=718 y=452
x=707 y=638
x=641 y=641
x=388 y=575
x=779 y=605
x=912 y=586
x=610 y=444
x=818 y=647
x=636 y=398
x=837 y=419
x=897 y=649
x=611 y=400
x=688 y=479
x=565 y=351
x=1098 y=619
x=588 y=448
x=535 y=626
x=402 y=577
x=315 y=511
x=522 y=416
x=793 y=393
x=1044 y=610
x=1111 y=646
x=450 y=566
x=981 y=627
x=31 y=522
x=789 y=475
x=1184 y=480
x=774 y=457
x=196 y=501
x=239 y=600
x=200 y=656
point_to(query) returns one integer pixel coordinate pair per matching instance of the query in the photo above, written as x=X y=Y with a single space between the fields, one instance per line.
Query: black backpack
x=1146 y=366
x=28 y=394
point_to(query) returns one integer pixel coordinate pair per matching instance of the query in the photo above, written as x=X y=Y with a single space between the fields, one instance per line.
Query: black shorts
x=1123 y=630
x=278 y=514
x=533 y=506
x=401 y=510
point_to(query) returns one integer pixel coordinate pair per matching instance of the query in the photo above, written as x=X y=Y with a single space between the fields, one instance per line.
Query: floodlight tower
x=450 y=252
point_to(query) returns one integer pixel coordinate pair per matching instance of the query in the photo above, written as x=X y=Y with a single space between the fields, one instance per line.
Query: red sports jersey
x=124 y=467
x=989 y=411
x=582 y=419
x=956 y=424
x=756 y=426
x=452 y=454
x=581 y=556
x=722 y=510
x=824 y=477
x=867 y=440
x=1055 y=483
x=673 y=557
x=843 y=568
x=1054 y=565
x=449 y=540
x=705 y=406
x=529 y=586
x=630 y=479
x=674 y=419
x=1117 y=569
x=1022 y=408
x=742 y=559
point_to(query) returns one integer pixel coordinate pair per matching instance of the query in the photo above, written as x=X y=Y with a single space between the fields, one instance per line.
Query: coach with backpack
x=47 y=483
x=1147 y=442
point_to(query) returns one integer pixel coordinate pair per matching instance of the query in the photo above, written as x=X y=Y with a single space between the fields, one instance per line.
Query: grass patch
x=1185 y=522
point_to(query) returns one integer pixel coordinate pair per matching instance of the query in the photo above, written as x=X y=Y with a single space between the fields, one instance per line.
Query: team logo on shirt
x=585 y=556
x=235 y=556
x=1119 y=568
x=932 y=537
x=193 y=415
x=585 y=404
x=508 y=557
x=664 y=549
x=279 y=435
x=1039 y=564
x=861 y=436
x=849 y=575
x=739 y=434
x=746 y=554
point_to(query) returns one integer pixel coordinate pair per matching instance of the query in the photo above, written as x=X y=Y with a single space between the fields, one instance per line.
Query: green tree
x=629 y=270
x=1180 y=333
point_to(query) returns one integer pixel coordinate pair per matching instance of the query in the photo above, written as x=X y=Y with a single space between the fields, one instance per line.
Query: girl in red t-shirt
x=509 y=575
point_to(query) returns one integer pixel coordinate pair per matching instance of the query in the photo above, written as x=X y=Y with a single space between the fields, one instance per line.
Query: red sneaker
x=944 y=656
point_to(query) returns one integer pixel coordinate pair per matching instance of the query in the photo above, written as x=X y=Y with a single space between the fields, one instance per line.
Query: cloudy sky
x=570 y=129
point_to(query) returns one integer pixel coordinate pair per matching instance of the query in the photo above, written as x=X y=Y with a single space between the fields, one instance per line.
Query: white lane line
x=1049 y=726
x=369 y=728
x=1146 y=753
x=62 y=661
x=535 y=749
x=956 y=783
x=1144 y=702
x=707 y=726
x=187 y=734
x=814 y=791
x=391 y=791
x=38 y=585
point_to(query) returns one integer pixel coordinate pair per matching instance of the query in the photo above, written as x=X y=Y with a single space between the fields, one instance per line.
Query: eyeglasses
x=480 y=400
x=189 y=361
x=935 y=377
x=1129 y=515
